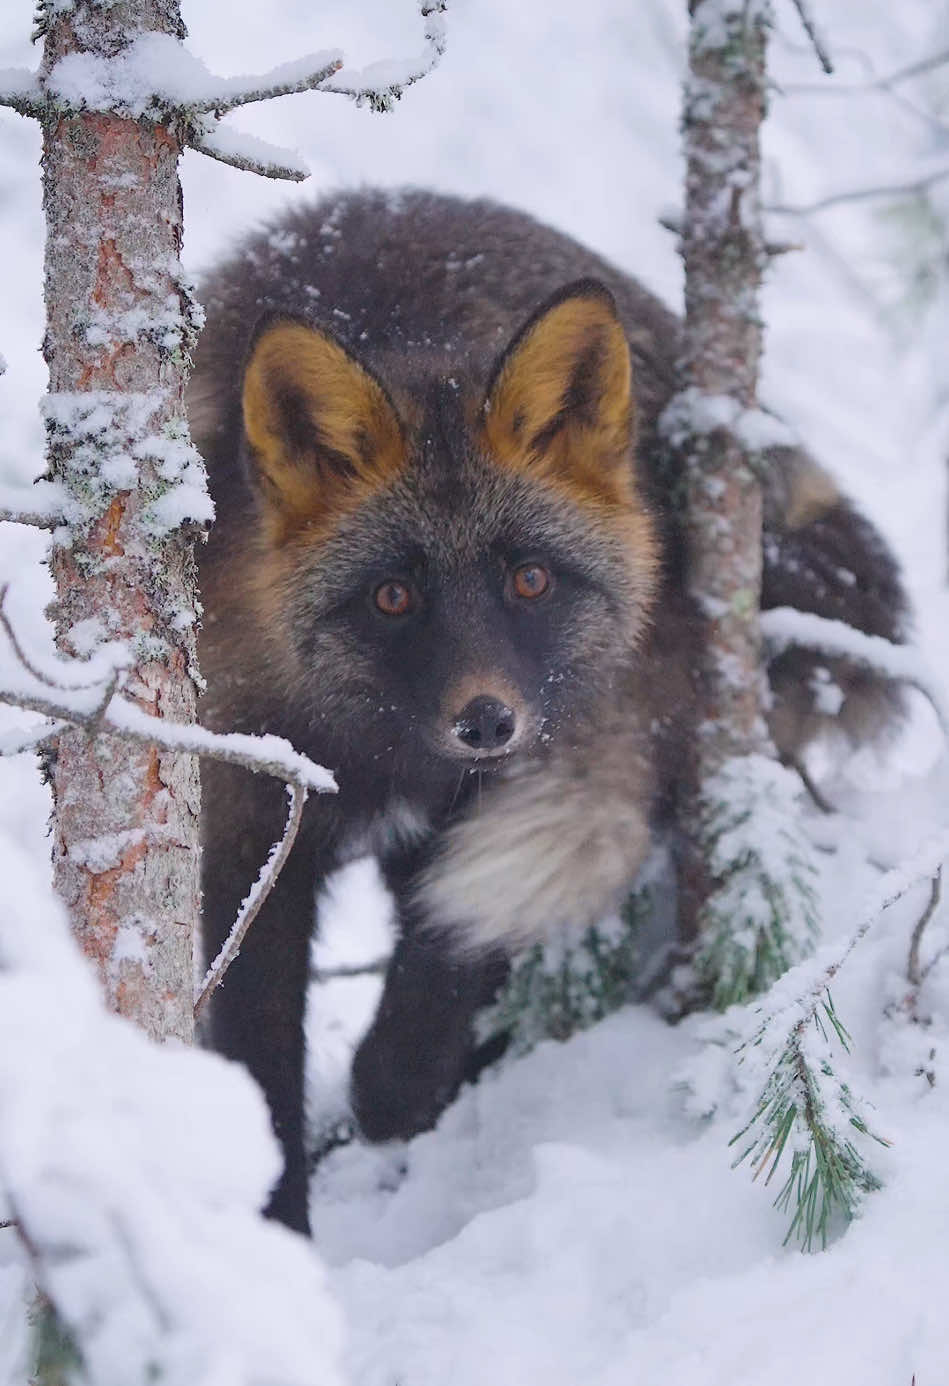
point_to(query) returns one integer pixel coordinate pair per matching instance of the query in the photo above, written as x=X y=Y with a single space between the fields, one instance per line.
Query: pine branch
x=760 y=918
x=566 y=985
x=803 y=1107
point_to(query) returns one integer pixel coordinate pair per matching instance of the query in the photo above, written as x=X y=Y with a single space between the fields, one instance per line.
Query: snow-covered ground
x=569 y=1220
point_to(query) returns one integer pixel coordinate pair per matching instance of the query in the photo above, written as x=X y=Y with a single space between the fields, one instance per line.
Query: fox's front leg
x=421 y=1046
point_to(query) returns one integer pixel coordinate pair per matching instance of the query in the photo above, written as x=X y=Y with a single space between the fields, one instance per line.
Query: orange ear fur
x=322 y=430
x=561 y=400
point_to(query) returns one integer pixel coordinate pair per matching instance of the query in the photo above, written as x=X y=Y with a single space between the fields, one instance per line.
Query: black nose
x=485 y=724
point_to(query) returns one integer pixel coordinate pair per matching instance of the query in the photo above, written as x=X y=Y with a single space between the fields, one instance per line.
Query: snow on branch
x=156 y=78
x=783 y=1048
x=784 y=626
x=246 y=152
x=133 y=1173
x=99 y=707
x=20 y=90
x=382 y=84
x=43 y=504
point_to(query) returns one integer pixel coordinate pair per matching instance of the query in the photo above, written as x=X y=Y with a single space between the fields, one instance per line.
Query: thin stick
x=247 y=163
x=254 y=901
x=810 y=28
x=913 y=972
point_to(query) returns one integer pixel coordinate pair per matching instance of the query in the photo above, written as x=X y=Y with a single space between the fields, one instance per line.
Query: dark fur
x=429 y=292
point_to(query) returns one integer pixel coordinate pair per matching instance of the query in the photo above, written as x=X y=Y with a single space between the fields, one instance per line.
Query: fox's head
x=458 y=566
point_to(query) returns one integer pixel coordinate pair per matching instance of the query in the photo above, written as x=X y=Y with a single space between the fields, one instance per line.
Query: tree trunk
x=120 y=324
x=723 y=251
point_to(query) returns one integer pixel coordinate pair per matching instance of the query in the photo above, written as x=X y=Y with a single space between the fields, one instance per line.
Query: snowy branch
x=288 y=79
x=155 y=77
x=20 y=91
x=41 y=505
x=783 y=627
x=382 y=84
x=801 y=1106
x=245 y=152
x=99 y=707
x=253 y=903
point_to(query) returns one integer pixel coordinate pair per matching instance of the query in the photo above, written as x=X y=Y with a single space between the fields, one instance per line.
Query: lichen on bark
x=119 y=330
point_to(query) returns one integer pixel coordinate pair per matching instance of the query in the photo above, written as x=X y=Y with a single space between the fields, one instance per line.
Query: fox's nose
x=485 y=724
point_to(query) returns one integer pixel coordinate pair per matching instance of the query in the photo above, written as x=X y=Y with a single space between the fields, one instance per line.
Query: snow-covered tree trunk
x=120 y=324
x=723 y=252
x=744 y=881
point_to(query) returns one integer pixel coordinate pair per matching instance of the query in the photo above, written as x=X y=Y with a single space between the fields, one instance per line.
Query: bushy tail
x=822 y=556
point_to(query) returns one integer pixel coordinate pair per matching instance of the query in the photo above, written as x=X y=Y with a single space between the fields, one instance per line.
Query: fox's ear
x=560 y=400
x=320 y=427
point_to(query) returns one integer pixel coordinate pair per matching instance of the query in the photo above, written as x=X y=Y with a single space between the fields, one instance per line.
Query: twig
x=38 y=518
x=113 y=714
x=382 y=95
x=914 y=974
x=800 y=769
x=32 y=511
x=235 y=157
x=252 y=904
x=14 y=640
x=810 y=28
x=893 y=190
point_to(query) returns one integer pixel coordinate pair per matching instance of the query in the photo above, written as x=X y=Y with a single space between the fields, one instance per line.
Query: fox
x=448 y=563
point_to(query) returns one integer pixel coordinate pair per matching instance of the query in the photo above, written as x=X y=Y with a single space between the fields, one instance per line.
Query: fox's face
x=460 y=573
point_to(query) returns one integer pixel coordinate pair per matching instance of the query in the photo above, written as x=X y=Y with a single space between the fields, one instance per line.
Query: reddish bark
x=125 y=842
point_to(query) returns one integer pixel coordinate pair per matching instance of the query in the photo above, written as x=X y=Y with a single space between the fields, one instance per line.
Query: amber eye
x=530 y=581
x=393 y=598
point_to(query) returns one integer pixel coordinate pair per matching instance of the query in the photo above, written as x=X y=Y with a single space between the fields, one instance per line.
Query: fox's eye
x=394 y=598
x=530 y=581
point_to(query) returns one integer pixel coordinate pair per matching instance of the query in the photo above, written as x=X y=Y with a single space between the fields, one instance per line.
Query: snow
x=136 y=1170
x=576 y=1216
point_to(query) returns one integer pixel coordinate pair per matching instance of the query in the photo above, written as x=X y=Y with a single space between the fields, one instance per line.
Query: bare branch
x=18 y=649
x=890 y=190
x=810 y=28
x=254 y=901
x=914 y=974
x=903 y=74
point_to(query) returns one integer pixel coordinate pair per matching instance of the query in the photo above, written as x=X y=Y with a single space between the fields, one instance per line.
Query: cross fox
x=447 y=564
